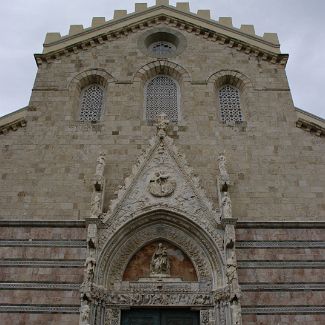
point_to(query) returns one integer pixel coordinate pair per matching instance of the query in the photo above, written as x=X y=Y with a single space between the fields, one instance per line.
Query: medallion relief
x=161 y=184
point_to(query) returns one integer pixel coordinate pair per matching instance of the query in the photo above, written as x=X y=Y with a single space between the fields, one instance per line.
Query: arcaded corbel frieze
x=311 y=127
x=13 y=126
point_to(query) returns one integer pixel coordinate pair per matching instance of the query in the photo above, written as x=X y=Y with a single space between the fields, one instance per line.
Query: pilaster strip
x=41 y=263
x=39 y=286
x=248 y=264
x=43 y=243
x=271 y=310
x=282 y=286
x=279 y=244
x=40 y=309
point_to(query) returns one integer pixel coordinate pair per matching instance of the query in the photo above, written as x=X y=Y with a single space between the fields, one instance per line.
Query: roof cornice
x=222 y=31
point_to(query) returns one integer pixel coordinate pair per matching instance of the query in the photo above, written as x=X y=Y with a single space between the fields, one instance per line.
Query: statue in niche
x=100 y=164
x=90 y=269
x=96 y=204
x=159 y=265
x=99 y=174
x=230 y=236
x=226 y=206
x=223 y=174
x=84 y=314
x=232 y=277
x=161 y=185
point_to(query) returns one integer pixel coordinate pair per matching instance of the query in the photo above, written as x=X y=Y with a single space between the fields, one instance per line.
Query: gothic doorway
x=160 y=317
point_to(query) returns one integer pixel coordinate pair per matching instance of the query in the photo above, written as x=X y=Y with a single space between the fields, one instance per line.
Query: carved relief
x=160 y=168
x=151 y=299
x=161 y=184
x=147 y=262
x=159 y=265
x=113 y=269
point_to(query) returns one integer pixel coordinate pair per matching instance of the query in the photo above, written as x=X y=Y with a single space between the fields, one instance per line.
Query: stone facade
x=80 y=198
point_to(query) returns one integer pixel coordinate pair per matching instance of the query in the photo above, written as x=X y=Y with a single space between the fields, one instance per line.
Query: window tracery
x=161 y=96
x=229 y=99
x=91 y=103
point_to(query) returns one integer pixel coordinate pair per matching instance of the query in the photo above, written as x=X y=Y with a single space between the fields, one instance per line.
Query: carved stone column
x=96 y=209
x=229 y=223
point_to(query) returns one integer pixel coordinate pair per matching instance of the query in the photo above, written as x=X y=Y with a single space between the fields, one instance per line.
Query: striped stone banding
x=39 y=286
x=43 y=243
x=41 y=263
x=267 y=310
x=279 y=224
x=40 y=309
x=279 y=244
x=282 y=286
x=249 y=264
x=42 y=223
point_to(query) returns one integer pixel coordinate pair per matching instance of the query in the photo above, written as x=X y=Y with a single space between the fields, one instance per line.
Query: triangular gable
x=163 y=180
x=180 y=17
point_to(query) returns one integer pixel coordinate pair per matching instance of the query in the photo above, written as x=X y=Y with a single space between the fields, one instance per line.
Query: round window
x=162 y=48
x=162 y=42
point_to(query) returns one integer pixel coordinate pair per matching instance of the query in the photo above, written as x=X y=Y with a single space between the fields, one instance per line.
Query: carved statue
x=96 y=204
x=99 y=174
x=236 y=313
x=159 y=265
x=162 y=123
x=100 y=164
x=90 y=269
x=84 y=314
x=226 y=206
x=232 y=277
x=223 y=174
x=230 y=236
x=92 y=236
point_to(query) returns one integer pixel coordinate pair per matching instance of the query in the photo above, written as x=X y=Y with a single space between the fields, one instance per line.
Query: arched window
x=162 y=96
x=230 y=104
x=91 y=103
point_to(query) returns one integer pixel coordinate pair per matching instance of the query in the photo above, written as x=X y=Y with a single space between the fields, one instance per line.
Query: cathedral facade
x=161 y=174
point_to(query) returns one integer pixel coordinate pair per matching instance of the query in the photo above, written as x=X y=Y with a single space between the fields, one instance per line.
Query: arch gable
x=204 y=253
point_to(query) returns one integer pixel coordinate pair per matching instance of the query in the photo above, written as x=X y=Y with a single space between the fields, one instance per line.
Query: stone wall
x=281 y=272
x=41 y=270
x=277 y=169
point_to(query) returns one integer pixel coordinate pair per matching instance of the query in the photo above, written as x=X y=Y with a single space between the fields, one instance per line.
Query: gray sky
x=300 y=25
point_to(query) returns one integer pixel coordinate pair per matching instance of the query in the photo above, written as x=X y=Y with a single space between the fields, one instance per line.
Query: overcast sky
x=300 y=25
